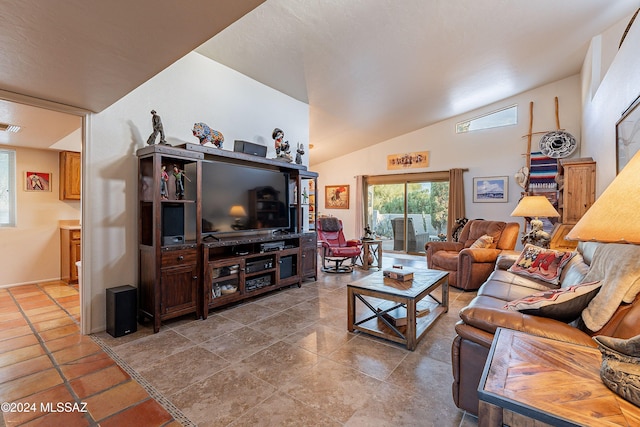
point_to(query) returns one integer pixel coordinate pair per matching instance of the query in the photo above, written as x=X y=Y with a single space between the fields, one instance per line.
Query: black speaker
x=172 y=223
x=249 y=148
x=286 y=267
x=293 y=219
x=121 y=311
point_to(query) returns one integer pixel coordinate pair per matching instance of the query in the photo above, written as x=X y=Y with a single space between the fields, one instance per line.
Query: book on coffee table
x=398 y=274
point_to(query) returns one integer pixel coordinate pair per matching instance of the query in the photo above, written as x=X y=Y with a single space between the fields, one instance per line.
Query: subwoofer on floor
x=121 y=310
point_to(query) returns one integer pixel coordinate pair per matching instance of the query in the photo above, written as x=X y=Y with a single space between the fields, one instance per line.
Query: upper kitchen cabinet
x=70 y=174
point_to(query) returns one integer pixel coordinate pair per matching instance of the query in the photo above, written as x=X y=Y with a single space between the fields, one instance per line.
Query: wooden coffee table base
x=407 y=294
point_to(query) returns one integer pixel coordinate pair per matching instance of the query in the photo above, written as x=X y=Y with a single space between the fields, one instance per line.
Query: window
x=505 y=117
x=7 y=188
x=406 y=211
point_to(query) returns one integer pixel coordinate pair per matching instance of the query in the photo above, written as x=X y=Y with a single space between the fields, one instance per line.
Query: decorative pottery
x=620 y=369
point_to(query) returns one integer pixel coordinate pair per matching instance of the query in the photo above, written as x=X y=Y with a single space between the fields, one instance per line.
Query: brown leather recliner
x=469 y=267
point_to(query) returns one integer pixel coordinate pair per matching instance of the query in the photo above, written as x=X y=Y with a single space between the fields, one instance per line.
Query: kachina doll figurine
x=164 y=179
x=282 y=146
x=157 y=129
x=299 y=153
x=180 y=176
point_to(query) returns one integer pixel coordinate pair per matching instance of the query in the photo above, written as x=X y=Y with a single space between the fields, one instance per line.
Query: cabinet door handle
x=180 y=258
x=195 y=277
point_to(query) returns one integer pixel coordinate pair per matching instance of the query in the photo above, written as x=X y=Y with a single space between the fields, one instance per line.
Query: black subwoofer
x=121 y=310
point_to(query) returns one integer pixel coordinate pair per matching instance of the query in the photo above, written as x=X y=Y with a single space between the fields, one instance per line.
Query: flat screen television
x=241 y=199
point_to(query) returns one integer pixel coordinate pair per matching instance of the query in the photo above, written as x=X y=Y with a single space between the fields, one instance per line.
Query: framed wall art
x=627 y=135
x=336 y=197
x=37 y=181
x=492 y=189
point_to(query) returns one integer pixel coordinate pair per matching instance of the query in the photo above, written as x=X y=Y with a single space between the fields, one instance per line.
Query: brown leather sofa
x=485 y=313
x=469 y=267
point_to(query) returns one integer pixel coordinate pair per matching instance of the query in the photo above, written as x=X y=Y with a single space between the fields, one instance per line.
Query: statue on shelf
x=299 y=154
x=180 y=176
x=157 y=130
x=205 y=134
x=282 y=146
x=164 y=179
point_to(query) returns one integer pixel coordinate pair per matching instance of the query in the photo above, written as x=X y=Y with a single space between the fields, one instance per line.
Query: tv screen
x=238 y=198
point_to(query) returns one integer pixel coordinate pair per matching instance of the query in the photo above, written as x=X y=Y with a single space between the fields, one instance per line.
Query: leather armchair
x=335 y=248
x=469 y=267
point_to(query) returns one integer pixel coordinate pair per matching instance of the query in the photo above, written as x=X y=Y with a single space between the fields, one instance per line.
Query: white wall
x=617 y=90
x=194 y=89
x=486 y=153
x=32 y=248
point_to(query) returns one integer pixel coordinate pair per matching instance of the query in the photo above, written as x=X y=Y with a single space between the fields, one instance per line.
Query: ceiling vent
x=5 y=127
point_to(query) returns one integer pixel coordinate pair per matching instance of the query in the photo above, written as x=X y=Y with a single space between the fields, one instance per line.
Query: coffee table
x=405 y=295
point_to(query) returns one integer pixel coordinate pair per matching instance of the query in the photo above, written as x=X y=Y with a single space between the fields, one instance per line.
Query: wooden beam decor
x=416 y=160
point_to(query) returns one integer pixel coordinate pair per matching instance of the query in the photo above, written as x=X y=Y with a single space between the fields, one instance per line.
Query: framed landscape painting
x=336 y=197
x=490 y=189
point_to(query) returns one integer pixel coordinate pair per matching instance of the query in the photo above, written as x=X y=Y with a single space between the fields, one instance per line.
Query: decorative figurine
x=157 y=129
x=282 y=146
x=164 y=179
x=205 y=134
x=368 y=234
x=537 y=236
x=299 y=153
x=180 y=176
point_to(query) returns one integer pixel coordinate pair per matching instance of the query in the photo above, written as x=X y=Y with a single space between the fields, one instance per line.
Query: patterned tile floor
x=281 y=359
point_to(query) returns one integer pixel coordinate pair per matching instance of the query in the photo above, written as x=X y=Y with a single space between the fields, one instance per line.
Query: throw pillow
x=564 y=304
x=541 y=263
x=484 y=241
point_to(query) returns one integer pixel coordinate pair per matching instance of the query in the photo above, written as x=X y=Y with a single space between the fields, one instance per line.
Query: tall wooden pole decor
x=522 y=176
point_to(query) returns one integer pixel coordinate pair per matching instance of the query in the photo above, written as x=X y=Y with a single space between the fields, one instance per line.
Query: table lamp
x=535 y=207
x=239 y=213
x=613 y=218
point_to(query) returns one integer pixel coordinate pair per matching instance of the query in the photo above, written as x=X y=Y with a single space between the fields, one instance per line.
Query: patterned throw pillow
x=484 y=241
x=541 y=263
x=564 y=304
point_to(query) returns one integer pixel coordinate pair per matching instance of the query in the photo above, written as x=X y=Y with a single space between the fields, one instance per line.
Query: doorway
x=47 y=129
x=406 y=211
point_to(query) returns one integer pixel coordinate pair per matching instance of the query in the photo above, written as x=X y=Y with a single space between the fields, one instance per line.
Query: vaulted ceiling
x=370 y=70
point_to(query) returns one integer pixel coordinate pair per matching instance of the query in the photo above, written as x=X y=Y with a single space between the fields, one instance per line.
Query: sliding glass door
x=406 y=211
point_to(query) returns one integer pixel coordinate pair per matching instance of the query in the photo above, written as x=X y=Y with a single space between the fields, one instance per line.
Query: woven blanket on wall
x=542 y=173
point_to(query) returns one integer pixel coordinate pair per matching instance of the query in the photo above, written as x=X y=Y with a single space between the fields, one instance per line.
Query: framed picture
x=37 y=181
x=628 y=135
x=493 y=189
x=336 y=197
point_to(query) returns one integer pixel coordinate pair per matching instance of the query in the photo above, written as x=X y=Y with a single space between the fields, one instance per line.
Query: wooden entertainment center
x=186 y=266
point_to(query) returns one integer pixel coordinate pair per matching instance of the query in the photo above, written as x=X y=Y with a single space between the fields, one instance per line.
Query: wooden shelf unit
x=183 y=271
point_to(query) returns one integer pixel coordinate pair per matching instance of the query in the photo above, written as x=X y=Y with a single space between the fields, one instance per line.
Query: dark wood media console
x=187 y=268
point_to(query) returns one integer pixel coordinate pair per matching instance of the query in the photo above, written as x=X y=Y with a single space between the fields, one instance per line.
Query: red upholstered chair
x=469 y=267
x=335 y=248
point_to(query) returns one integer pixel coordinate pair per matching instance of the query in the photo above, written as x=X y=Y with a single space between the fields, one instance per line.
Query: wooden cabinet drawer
x=75 y=235
x=308 y=240
x=180 y=257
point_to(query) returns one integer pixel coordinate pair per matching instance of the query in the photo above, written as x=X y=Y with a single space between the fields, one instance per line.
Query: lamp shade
x=237 y=211
x=613 y=218
x=535 y=206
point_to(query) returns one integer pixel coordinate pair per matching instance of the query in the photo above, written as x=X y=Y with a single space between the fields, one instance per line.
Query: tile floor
x=281 y=359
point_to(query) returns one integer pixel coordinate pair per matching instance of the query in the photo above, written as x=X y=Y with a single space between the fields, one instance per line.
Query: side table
x=553 y=383
x=371 y=251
